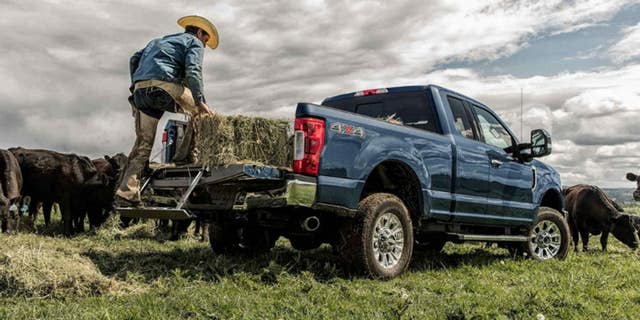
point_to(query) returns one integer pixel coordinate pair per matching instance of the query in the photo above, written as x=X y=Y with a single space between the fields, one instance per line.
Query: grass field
x=136 y=274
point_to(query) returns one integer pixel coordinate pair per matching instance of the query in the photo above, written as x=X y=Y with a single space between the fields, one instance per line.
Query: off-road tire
x=554 y=220
x=223 y=239
x=302 y=243
x=355 y=243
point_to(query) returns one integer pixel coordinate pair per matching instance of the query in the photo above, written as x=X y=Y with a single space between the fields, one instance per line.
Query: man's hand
x=204 y=109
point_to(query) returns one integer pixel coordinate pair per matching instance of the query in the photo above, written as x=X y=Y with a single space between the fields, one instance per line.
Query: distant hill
x=622 y=195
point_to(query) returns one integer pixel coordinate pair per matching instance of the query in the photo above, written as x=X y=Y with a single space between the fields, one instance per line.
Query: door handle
x=496 y=163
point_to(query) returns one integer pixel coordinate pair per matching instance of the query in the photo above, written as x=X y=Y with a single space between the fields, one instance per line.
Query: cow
x=634 y=178
x=99 y=198
x=10 y=191
x=591 y=211
x=50 y=177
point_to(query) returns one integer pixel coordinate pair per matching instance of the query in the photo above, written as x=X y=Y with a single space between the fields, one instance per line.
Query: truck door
x=471 y=181
x=510 y=193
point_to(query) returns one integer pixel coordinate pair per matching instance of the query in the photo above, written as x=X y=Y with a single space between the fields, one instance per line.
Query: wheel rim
x=388 y=240
x=545 y=239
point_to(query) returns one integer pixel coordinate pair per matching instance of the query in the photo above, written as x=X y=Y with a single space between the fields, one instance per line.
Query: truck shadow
x=477 y=256
x=201 y=264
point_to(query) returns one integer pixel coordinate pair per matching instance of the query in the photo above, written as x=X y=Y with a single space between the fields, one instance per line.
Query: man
x=165 y=76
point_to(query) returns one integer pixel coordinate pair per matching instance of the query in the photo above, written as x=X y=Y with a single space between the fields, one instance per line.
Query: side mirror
x=540 y=143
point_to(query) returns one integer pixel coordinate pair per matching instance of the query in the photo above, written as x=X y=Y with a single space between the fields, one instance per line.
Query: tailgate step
x=155 y=213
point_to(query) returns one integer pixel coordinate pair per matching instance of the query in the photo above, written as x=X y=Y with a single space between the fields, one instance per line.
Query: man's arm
x=133 y=65
x=193 y=71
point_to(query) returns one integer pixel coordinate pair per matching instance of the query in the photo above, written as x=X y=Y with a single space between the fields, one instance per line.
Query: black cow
x=98 y=199
x=634 y=178
x=591 y=211
x=10 y=191
x=50 y=177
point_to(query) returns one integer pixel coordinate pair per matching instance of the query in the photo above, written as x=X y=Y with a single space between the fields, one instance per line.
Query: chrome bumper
x=298 y=192
x=301 y=193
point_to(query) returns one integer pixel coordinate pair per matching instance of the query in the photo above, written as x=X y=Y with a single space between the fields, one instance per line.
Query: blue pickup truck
x=376 y=174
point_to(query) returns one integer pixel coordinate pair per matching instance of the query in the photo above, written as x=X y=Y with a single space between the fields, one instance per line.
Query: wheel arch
x=398 y=178
x=552 y=198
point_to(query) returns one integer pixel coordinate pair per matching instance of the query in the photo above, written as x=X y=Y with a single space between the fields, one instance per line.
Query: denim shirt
x=174 y=58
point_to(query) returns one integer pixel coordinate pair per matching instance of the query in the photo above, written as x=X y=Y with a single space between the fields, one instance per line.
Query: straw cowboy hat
x=204 y=24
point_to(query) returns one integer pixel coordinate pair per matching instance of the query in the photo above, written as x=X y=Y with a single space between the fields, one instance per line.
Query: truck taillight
x=165 y=136
x=307 y=145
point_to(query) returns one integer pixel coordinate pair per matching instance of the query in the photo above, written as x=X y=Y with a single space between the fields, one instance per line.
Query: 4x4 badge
x=349 y=130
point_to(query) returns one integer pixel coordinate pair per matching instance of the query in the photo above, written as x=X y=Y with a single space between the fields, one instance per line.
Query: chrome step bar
x=486 y=237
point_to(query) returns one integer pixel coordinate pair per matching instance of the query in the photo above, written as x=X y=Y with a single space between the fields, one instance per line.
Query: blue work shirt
x=174 y=58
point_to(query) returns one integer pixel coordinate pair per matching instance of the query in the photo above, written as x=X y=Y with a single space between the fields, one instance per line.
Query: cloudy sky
x=64 y=66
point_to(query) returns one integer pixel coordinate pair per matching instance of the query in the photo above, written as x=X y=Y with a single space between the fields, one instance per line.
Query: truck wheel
x=379 y=242
x=304 y=243
x=223 y=238
x=549 y=236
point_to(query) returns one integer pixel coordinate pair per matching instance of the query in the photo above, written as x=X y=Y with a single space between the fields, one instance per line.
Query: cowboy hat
x=204 y=24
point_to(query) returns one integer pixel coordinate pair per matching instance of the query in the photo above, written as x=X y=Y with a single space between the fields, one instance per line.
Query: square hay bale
x=224 y=140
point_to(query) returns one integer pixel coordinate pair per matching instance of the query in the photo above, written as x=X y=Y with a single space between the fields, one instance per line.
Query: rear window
x=413 y=109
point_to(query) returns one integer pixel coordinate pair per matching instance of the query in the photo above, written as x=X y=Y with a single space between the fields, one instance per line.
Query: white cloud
x=628 y=47
x=64 y=64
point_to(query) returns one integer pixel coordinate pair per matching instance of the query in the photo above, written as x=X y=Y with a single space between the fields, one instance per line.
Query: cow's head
x=118 y=164
x=625 y=228
x=636 y=179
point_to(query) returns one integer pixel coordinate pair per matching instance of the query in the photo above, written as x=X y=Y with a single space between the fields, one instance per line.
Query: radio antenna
x=521 y=114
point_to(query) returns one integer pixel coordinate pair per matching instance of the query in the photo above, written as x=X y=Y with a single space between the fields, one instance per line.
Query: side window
x=493 y=132
x=461 y=118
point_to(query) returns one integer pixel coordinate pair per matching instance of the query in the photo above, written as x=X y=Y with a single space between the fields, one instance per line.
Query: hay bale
x=223 y=140
x=36 y=269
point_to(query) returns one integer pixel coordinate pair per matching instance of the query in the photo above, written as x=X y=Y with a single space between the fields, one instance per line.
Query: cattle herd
x=81 y=187
x=84 y=188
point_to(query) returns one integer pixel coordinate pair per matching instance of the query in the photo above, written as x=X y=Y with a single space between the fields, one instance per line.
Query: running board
x=486 y=237
x=155 y=213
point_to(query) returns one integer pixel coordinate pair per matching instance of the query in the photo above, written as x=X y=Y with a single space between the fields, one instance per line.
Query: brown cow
x=634 y=178
x=10 y=191
x=50 y=177
x=591 y=211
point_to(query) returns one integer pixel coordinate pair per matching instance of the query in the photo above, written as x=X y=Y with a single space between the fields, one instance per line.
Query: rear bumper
x=299 y=191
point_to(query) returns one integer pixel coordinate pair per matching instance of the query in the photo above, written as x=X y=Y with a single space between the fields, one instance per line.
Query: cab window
x=414 y=109
x=461 y=118
x=493 y=132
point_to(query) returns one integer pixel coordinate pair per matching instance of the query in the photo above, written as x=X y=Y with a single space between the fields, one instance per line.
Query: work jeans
x=151 y=99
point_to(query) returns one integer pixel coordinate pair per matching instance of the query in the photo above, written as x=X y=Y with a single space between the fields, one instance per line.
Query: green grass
x=136 y=274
